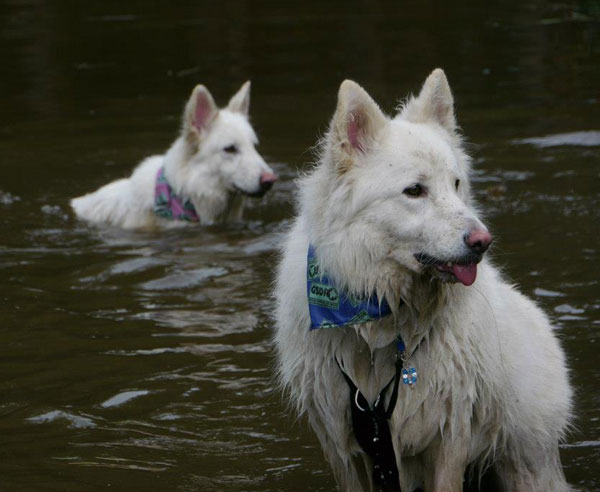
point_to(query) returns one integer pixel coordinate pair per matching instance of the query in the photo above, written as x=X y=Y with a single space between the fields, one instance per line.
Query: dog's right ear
x=200 y=111
x=240 y=101
x=355 y=126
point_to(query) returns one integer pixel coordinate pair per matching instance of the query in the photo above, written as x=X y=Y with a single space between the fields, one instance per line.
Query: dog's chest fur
x=451 y=397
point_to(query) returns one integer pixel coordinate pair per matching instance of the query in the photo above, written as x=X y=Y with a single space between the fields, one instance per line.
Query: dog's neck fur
x=212 y=201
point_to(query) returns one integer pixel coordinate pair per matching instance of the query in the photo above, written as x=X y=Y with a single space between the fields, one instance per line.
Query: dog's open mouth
x=463 y=270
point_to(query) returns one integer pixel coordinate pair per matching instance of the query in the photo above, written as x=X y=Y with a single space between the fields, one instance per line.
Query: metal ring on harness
x=356 y=395
x=356 y=401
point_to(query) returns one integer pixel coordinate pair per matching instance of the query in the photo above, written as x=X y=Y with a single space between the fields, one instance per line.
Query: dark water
x=142 y=361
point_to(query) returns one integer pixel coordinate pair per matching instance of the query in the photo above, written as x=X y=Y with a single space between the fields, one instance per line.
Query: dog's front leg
x=348 y=464
x=445 y=464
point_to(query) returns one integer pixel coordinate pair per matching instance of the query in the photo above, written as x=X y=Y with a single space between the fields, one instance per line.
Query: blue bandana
x=329 y=307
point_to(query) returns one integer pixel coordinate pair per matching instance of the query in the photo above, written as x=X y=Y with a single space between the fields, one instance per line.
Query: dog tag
x=409 y=376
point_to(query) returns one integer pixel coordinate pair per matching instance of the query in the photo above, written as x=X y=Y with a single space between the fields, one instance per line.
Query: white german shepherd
x=201 y=178
x=388 y=214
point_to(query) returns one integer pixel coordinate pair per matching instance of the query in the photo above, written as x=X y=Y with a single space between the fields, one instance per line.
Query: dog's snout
x=266 y=181
x=478 y=240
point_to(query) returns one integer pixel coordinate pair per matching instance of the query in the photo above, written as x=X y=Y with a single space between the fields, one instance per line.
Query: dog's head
x=221 y=145
x=398 y=189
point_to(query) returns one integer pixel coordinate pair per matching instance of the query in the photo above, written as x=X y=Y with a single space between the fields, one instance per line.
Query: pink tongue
x=465 y=273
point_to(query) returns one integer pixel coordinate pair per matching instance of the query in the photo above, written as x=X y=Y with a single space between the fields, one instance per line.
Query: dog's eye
x=414 y=190
x=231 y=149
x=456 y=184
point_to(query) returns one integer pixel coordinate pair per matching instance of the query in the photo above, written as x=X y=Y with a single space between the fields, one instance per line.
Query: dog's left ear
x=240 y=101
x=356 y=124
x=434 y=103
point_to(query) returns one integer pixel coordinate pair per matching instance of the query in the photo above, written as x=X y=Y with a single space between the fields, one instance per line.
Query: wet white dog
x=202 y=178
x=396 y=271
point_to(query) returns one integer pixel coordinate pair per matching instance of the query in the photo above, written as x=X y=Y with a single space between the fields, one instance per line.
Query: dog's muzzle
x=267 y=179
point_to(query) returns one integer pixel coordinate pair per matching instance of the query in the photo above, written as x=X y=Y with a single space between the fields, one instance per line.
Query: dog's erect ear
x=200 y=111
x=356 y=123
x=434 y=104
x=240 y=101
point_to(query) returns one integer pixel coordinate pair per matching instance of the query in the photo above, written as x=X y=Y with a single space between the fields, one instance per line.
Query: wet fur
x=493 y=400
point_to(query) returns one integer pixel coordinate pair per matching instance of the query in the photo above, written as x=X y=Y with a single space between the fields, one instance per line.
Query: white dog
x=202 y=178
x=417 y=365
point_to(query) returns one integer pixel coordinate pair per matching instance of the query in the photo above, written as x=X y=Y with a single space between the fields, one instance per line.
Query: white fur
x=196 y=166
x=493 y=387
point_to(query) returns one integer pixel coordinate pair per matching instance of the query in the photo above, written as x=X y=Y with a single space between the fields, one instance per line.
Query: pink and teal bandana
x=168 y=205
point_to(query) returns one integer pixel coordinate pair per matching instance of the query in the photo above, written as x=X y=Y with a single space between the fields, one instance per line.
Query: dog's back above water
x=416 y=363
x=203 y=177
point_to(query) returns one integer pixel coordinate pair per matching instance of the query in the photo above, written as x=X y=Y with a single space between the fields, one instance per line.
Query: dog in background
x=386 y=220
x=203 y=177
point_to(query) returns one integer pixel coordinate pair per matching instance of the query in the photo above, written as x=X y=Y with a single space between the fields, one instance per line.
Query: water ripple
x=589 y=138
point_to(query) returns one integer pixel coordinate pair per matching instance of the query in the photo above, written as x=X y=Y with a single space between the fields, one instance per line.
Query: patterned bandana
x=329 y=307
x=168 y=205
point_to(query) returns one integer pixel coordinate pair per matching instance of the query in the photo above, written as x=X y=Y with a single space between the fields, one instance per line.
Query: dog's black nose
x=478 y=240
x=266 y=181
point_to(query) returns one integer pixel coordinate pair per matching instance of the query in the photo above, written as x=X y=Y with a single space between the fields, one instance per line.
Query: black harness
x=371 y=424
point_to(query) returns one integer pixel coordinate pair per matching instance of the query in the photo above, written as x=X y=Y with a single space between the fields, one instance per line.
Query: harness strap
x=399 y=366
x=371 y=423
x=372 y=430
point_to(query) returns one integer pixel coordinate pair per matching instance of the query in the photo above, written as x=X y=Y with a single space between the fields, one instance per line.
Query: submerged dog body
x=210 y=167
x=388 y=211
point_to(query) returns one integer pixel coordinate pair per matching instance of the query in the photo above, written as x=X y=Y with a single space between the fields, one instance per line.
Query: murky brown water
x=142 y=361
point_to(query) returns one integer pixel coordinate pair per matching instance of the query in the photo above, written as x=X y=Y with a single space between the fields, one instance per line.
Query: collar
x=168 y=205
x=330 y=307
